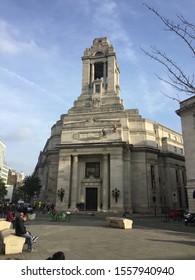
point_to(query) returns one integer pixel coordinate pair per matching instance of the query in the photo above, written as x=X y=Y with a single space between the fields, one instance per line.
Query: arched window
x=99 y=54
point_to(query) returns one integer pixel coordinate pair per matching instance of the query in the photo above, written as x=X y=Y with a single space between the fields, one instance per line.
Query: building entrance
x=91 y=199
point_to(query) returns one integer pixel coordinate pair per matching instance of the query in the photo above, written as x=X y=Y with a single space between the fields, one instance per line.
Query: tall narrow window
x=177 y=175
x=99 y=70
x=97 y=88
x=92 y=169
x=153 y=183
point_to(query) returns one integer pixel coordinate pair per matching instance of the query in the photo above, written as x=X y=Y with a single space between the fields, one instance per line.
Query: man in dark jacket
x=21 y=230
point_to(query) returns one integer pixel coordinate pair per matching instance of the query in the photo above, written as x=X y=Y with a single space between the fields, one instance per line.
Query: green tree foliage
x=19 y=194
x=31 y=186
x=3 y=189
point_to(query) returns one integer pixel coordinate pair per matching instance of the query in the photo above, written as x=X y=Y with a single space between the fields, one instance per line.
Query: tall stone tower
x=92 y=137
x=100 y=79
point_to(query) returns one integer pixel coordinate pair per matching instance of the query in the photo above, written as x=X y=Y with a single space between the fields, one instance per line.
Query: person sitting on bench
x=20 y=230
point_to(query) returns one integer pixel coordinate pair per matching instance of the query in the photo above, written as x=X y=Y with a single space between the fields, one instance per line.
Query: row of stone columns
x=113 y=176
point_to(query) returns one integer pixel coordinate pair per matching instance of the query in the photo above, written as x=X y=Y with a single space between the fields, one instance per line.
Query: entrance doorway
x=91 y=199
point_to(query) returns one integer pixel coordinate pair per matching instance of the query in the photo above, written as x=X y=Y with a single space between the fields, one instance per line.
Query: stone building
x=187 y=114
x=3 y=166
x=103 y=157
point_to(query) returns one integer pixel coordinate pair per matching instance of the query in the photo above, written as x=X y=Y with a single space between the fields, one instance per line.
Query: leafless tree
x=177 y=78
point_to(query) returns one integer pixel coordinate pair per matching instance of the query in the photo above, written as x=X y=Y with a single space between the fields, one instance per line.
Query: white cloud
x=19 y=77
x=107 y=17
x=40 y=66
x=15 y=42
x=11 y=40
x=29 y=83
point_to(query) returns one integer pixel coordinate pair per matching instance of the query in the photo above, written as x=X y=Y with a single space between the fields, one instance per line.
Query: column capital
x=75 y=158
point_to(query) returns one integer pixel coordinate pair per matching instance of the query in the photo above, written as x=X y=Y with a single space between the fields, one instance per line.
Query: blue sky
x=41 y=45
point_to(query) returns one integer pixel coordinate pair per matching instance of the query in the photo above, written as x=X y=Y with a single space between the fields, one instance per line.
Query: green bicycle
x=59 y=216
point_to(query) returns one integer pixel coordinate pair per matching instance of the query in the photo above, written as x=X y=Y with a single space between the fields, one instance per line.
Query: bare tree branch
x=176 y=99
x=177 y=78
x=181 y=31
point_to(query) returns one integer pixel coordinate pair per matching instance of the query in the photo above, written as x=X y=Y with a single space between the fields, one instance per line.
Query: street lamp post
x=115 y=194
x=61 y=194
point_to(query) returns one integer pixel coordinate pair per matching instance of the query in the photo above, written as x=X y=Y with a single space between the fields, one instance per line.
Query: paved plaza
x=87 y=237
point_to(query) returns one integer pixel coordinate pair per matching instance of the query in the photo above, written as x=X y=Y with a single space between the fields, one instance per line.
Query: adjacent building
x=103 y=157
x=14 y=181
x=3 y=165
x=187 y=114
x=11 y=178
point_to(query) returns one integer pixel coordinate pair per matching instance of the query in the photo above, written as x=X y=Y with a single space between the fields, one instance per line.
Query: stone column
x=190 y=190
x=127 y=182
x=74 y=186
x=104 y=75
x=92 y=73
x=63 y=181
x=105 y=182
x=182 y=189
x=85 y=76
x=116 y=180
x=111 y=74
